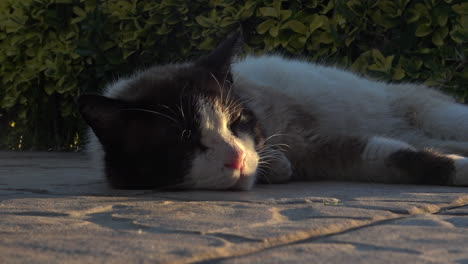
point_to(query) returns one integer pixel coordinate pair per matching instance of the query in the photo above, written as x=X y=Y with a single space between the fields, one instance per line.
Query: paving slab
x=55 y=208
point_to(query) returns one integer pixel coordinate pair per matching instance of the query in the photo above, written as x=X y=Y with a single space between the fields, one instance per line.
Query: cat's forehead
x=212 y=114
x=173 y=83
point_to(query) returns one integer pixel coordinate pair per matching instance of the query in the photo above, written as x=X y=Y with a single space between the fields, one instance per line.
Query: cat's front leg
x=275 y=168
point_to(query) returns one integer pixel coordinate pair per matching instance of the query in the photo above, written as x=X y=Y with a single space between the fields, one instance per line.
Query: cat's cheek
x=208 y=172
x=245 y=183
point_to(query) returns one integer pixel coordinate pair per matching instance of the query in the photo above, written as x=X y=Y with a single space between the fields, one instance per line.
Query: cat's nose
x=237 y=160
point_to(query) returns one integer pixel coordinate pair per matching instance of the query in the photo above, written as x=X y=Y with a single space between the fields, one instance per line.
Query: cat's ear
x=100 y=113
x=220 y=59
x=118 y=124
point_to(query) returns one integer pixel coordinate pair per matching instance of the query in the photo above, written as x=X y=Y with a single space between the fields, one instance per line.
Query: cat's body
x=272 y=119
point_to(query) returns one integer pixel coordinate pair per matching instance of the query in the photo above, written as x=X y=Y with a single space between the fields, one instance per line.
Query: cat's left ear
x=220 y=59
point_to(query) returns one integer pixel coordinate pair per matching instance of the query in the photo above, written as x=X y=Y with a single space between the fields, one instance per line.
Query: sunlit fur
x=208 y=170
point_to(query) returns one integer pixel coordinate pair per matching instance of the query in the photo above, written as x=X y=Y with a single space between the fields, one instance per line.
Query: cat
x=224 y=122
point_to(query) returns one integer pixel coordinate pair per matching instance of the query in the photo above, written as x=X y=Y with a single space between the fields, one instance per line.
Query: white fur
x=208 y=169
x=375 y=154
x=378 y=149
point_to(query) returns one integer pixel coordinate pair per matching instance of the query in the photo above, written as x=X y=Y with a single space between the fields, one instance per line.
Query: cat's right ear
x=100 y=113
x=220 y=59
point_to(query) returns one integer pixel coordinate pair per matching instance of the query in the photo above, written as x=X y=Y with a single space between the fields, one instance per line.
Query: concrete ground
x=55 y=209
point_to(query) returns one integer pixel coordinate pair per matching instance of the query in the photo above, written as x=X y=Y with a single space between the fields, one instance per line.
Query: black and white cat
x=225 y=123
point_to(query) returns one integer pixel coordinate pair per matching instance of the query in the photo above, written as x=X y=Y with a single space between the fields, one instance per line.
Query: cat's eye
x=185 y=135
x=241 y=118
x=191 y=137
x=242 y=122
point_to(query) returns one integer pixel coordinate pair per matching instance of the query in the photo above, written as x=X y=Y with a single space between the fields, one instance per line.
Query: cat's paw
x=279 y=170
x=461 y=170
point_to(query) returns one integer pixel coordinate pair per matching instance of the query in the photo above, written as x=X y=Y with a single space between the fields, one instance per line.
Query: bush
x=51 y=51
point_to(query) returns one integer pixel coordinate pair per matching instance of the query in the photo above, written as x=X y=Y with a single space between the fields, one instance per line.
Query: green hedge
x=51 y=51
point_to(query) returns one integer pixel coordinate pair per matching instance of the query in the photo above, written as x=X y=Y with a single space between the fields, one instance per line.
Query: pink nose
x=237 y=161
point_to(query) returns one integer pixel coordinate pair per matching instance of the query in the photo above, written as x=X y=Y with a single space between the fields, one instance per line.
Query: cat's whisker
x=270 y=158
x=234 y=105
x=153 y=112
x=271 y=149
x=262 y=172
x=228 y=96
x=168 y=108
x=275 y=147
x=220 y=88
x=175 y=115
x=225 y=80
x=276 y=151
x=274 y=135
x=181 y=110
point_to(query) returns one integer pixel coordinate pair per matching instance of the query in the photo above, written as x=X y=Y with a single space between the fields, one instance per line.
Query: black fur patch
x=423 y=167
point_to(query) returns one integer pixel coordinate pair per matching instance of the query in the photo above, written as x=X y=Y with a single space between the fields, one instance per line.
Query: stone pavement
x=55 y=209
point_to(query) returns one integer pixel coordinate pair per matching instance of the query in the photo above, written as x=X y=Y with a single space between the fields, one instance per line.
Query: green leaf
x=297 y=43
x=442 y=16
x=459 y=35
x=78 y=11
x=8 y=102
x=439 y=36
x=49 y=88
x=411 y=65
x=362 y=62
x=423 y=30
x=227 y=21
x=412 y=15
x=285 y=14
x=316 y=21
x=77 y=20
x=296 y=26
x=388 y=6
x=274 y=30
x=207 y=44
x=204 y=21
x=265 y=26
x=321 y=37
x=328 y=8
x=461 y=9
x=382 y=63
x=398 y=74
x=268 y=12
x=377 y=55
x=348 y=41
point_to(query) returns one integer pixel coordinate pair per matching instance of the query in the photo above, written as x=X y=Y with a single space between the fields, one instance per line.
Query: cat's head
x=178 y=125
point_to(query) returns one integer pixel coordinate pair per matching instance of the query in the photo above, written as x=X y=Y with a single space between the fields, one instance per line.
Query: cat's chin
x=244 y=183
